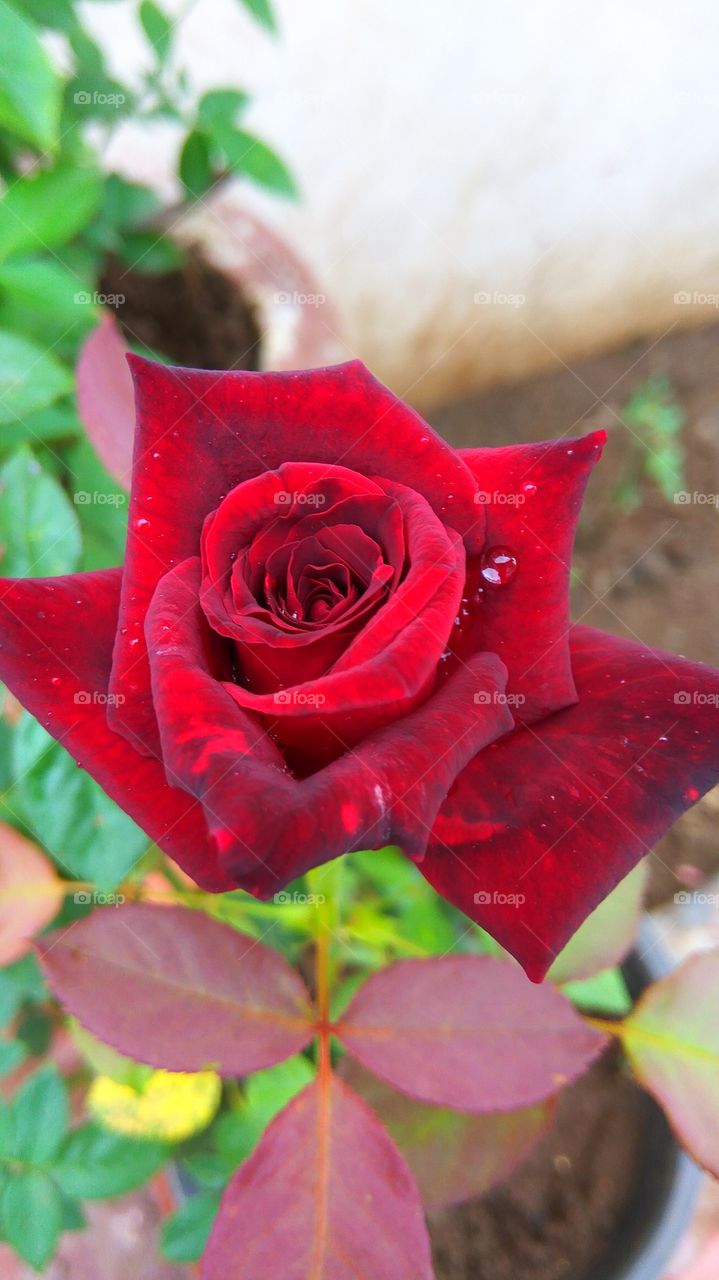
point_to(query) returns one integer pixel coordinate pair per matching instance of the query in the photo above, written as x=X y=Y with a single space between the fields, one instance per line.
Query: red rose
x=334 y=632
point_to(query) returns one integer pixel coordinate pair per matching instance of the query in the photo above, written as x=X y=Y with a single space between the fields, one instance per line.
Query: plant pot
x=666 y=1194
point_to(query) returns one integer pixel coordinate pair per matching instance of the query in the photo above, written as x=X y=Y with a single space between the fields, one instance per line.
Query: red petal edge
x=543 y=824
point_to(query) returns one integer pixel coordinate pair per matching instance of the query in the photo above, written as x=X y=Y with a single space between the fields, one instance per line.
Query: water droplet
x=142 y=523
x=528 y=488
x=55 y=680
x=135 y=641
x=498 y=566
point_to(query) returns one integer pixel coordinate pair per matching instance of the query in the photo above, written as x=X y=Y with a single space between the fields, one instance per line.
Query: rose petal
x=55 y=649
x=269 y=826
x=532 y=495
x=542 y=825
x=242 y=424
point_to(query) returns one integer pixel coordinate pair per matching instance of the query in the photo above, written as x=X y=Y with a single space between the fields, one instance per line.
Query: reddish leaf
x=672 y=1040
x=105 y=397
x=175 y=989
x=453 y=1156
x=325 y=1196
x=30 y=893
x=470 y=1032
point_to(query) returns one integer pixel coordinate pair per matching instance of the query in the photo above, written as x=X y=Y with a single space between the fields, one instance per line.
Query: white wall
x=554 y=149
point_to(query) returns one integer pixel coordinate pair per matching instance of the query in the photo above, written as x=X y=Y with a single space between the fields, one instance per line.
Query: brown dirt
x=554 y=1217
x=651 y=574
x=193 y=315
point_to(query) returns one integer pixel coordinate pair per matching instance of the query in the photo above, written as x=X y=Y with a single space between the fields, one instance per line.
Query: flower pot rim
x=669 y=1186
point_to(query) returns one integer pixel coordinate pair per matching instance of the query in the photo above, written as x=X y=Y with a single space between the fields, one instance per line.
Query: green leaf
x=30 y=91
x=605 y=994
x=157 y=28
x=40 y=1114
x=186 y=1233
x=45 y=301
x=96 y=1164
x=39 y=532
x=32 y=1216
x=12 y=1054
x=250 y=157
x=30 y=378
x=101 y=507
x=47 y=208
x=222 y=105
x=262 y=12
x=6 y=1128
x=20 y=983
x=57 y=422
x=55 y=14
x=87 y=834
x=237 y=1133
x=150 y=253
x=195 y=166
x=73 y=1218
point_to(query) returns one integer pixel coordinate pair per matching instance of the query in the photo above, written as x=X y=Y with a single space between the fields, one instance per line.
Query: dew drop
x=142 y=523
x=55 y=680
x=498 y=566
x=528 y=488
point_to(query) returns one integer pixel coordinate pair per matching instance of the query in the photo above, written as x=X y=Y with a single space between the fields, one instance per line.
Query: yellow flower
x=169 y=1106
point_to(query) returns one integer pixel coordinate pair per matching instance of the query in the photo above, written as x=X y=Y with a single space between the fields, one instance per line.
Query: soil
x=193 y=315
x=554 y=1217
x=650 y=573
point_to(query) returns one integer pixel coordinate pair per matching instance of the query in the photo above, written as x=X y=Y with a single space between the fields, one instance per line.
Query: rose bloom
x=334 y=632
